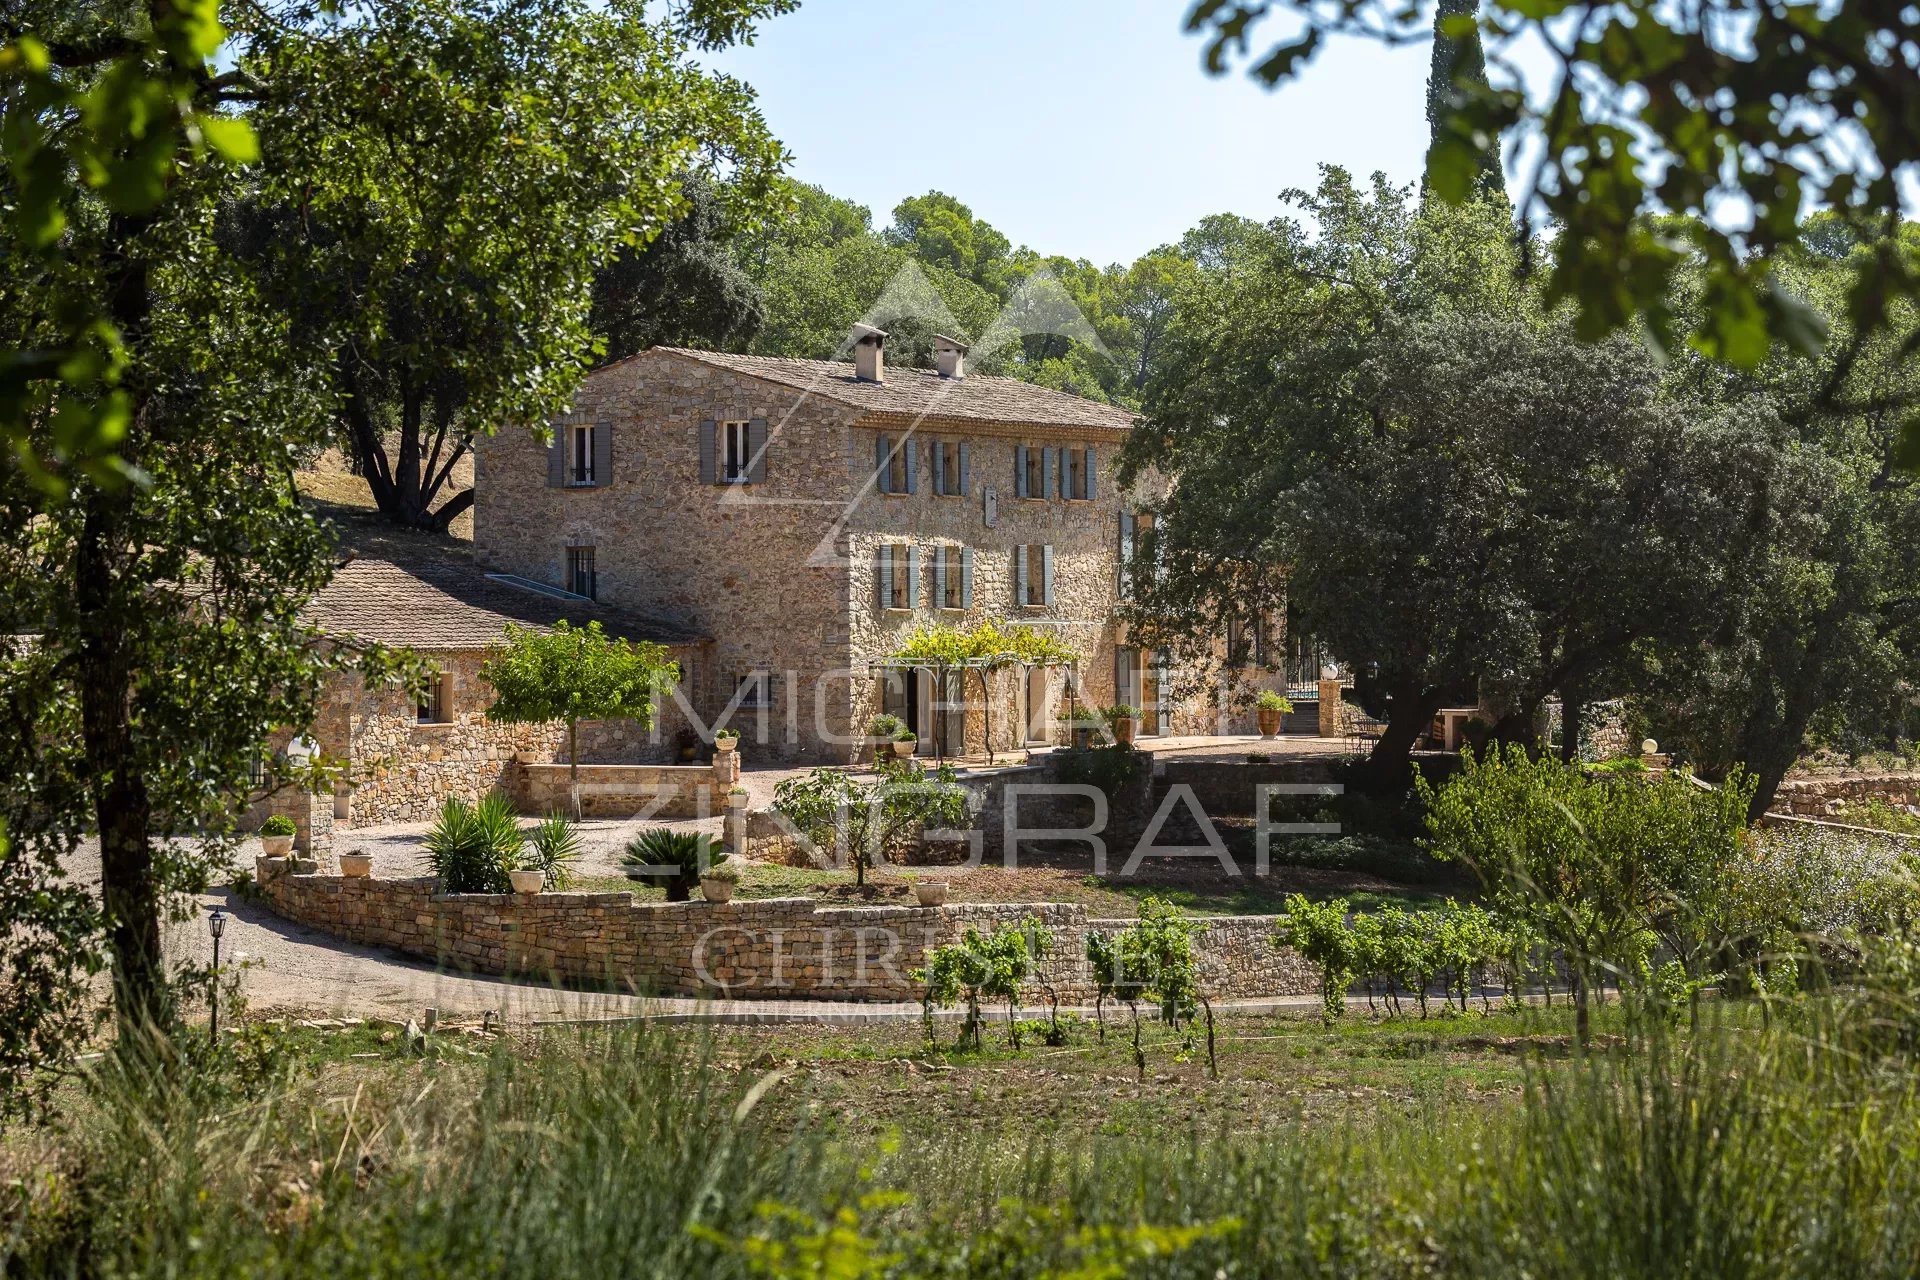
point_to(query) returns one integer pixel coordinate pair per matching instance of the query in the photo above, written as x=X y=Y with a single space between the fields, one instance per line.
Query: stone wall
x=628 y=790
x=1229 y=788
x=778 y=948
x=1821 y=796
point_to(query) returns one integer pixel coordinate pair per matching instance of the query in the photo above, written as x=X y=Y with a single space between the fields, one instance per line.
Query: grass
x=1466 y=1148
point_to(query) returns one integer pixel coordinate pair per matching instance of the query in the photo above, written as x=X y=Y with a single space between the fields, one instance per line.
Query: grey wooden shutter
x=966 y=478
x=940 y=578
x=557 y=459
x=757 y=451
x=939 y=448
x=1126 y=551
x=1163 y=710
x=1019 y=471
x=882 y=470
x=883 y=565
x=966 y=575
x=1046 y=574
x=602 y=453
x=1092 y=470
x=708 y=473
x=1019 y=575
x=913 y=455
x=1049 y=467
x=913 y=577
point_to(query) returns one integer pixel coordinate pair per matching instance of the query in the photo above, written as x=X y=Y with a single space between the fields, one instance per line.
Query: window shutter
x=881 y=457
x=913 y=455
x=1019 y=471
x=1019 y=575
x=1049 y=463
x=966 y=574
x=1121 y=667
x=939 y=573
x=913 y=577
x=1126 y=550
x=557 y=459
x=602 y=453
x=1046 y=574
x=1163 y=710
x=966 y=478
x=939 y=449
x=883 y=564
x=757 y=451
x=708 y=474
x=1092 y=470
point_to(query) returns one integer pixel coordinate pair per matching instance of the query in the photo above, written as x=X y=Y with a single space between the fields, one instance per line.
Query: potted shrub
x=904 y=742
x=356 y=864
x=725 y=740
x=1270 y=707
x=717 y=882
x=884 y=729
x=1081 y=727
x=931 y=893
x=472 y=848
x=672 y=859
x=276 y=836
x=1120 y=721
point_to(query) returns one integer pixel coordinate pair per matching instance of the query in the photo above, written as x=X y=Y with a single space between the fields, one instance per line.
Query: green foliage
x=1153 y=959
x=886 y=728
x=1598 y=867
x=278 y=824
x=1629 y=132
x=575 y=673
x=471 y=848
x=675 y=860
x=868 y=821
x=1272 y=700
x=996 y=965
x=1112 y=767
x=1319 y=931
x=553 y=846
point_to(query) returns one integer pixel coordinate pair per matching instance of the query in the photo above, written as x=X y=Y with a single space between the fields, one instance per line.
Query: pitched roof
x=922 y=392
x=452 y=606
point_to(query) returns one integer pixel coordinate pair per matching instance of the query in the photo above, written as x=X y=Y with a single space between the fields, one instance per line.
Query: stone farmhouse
x=808 y=515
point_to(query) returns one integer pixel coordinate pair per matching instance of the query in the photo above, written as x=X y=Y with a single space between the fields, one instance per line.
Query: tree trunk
x=1571 y=707
x=1582 y=1015
x=1390 y=767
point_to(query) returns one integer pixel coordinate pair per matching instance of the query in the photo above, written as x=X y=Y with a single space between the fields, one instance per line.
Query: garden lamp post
x=216 y=925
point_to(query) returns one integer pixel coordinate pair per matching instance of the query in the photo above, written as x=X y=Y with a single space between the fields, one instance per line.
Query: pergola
x=983 y=663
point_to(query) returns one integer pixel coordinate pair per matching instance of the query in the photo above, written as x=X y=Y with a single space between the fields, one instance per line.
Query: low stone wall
x=1820 y=797
x=780 y=948
x=1229 y=788
x=629 y=790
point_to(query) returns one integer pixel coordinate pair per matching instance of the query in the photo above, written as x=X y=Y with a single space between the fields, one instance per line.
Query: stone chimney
x=951 y=355
x=869 y=353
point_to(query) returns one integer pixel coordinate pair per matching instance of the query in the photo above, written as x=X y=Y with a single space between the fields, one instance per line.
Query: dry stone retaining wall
x=780 y=948
x=1820 y=797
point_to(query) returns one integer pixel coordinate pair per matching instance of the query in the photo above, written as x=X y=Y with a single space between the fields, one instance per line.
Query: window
x=581 y=579
x=1033 y=574
x=1076 y=474
x=436 y=700
x=580 y=455
x=755 y=689
x=1031 y=479
x=736 y=453
x=897 y=584
x=953 y=578
x=893 y=459
x=1236 y=642
x=950 y=478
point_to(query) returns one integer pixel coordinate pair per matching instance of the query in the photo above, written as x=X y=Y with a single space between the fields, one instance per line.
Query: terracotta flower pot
x=1269 y=721
x=931 y=893
x=356 y=866
x=1123 y=730
x=526 y=881
x=276 y=846
x=716 y=890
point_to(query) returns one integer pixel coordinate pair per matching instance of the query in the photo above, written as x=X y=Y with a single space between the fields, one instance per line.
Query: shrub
x=1152 y=957
x=672 y=859
x=886 y=728
x=1110 y=768
x=278 y=825
x=725 y=733
x=553 y=847
x=1112 y=716
x=1272 y=700
x=471 y=848
x=725 y=872
x=983 y=966
x=871 y=821
x=1320 y=933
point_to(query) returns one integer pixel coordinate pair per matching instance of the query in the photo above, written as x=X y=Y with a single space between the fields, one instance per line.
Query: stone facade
x=1821 y=796
x=628 y=791
x=786 y=573
x=781 y=948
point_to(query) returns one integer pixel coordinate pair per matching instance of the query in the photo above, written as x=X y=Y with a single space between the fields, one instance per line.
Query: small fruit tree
x=574 y=674
x=1152 y=957
x=992 y=966
x=871 y=820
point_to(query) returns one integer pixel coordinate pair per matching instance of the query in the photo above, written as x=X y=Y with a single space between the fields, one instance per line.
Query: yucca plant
x=471 y=848
x=672 y=858
x=552 y=847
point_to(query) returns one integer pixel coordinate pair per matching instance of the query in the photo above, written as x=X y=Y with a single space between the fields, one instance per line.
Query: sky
x=1082 y=127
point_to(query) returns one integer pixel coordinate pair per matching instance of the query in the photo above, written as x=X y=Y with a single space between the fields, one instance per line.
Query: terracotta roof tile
x=450 y=606
x=915 y=392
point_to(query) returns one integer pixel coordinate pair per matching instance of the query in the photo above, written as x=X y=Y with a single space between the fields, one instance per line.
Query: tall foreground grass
x=1741 y=1153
